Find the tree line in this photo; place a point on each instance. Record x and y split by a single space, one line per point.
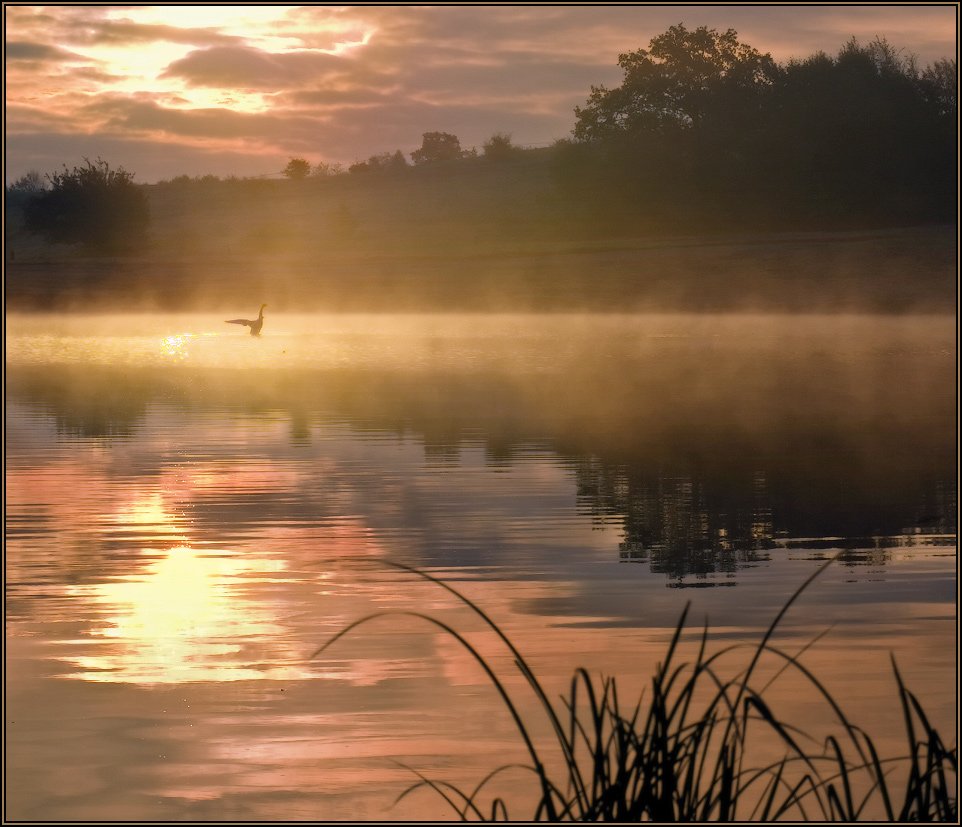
701 123
702 115
435 146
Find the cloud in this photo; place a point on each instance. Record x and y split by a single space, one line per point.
95 75
242 66
86 26
31 119
149 159
520 81
22 50
127 32
122 115
346 97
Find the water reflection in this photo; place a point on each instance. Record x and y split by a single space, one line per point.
704 449
181 536
681 527
178 347
183 617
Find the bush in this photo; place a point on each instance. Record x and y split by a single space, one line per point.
297 169
92 205
498 147
437 146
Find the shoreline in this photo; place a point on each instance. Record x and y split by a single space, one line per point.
869 271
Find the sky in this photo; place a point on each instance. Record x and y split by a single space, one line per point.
240 89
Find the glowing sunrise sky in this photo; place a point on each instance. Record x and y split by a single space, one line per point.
238 90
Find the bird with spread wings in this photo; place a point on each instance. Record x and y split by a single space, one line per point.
254 324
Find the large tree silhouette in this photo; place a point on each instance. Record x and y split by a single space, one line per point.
684 80
437 146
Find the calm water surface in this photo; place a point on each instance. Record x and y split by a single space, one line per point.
192 511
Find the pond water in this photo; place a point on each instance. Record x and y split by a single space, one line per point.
191 512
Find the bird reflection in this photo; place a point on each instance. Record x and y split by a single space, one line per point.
254 324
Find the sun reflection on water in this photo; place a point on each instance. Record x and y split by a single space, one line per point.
186 617
149 513
176 346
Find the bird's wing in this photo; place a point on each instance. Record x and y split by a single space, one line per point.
238 321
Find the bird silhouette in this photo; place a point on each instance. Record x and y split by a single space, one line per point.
254 324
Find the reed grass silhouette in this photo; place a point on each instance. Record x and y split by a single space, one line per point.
673 759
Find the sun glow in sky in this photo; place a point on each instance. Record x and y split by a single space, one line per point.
142 67
237 20
238 90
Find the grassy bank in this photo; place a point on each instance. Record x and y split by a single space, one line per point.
480 236
890 271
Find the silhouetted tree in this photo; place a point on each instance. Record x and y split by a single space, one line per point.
386 161
379 161
863 130
23 190
297 169
498 147
397 161
92 205
437 146
322 169
940 82
704 124
30 184
683 79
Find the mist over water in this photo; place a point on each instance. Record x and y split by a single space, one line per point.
191 511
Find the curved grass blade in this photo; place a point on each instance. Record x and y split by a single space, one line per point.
519 723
